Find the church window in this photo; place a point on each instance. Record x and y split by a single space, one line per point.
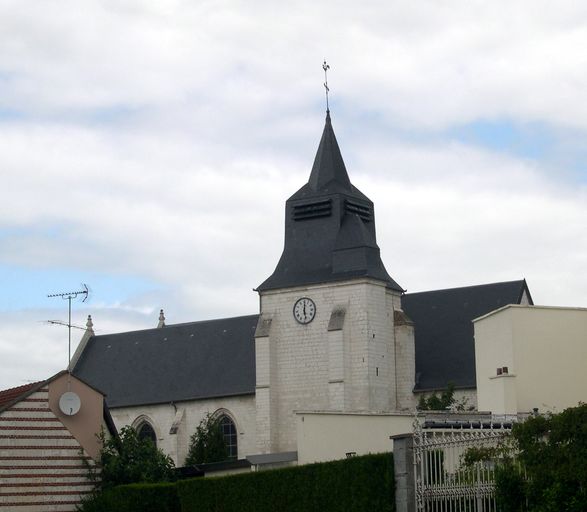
229 432
146 431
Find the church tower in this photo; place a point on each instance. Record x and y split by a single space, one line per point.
327 339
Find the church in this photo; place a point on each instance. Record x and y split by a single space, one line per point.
335 359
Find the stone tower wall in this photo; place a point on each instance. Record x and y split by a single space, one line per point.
344 360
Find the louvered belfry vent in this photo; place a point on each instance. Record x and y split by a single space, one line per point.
312 210
362 210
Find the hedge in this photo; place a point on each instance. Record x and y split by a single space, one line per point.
135 498
350 485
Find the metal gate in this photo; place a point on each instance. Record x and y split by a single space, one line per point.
443 482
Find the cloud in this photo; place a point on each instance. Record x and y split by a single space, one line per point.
156 144
453 216
32 350
422 64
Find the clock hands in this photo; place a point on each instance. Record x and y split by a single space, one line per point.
304 310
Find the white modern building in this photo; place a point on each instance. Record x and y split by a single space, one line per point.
531 357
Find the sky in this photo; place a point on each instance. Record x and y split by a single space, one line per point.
147 150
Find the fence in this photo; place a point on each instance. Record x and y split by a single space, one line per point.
443 483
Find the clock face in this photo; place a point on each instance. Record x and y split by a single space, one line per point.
304 310
69 403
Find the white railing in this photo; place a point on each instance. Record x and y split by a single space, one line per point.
444 483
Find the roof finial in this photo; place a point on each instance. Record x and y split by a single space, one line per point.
161 319
326 67
90 324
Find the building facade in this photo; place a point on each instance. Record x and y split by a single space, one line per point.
47 449
531 358
335 335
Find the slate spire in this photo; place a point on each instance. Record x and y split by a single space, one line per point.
328 168
329 227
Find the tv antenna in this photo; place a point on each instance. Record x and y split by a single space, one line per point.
69 296
59 322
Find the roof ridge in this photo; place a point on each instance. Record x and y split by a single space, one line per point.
10 396
22 386
520 281
211 320
168 326
13 395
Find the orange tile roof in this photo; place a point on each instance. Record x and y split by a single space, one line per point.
9 395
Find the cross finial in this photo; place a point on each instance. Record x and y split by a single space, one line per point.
326 67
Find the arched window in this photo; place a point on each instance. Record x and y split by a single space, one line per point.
229 432
145 431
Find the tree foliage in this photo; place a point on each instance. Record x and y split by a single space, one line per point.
553 451
542 466
445 401
128 459
207 443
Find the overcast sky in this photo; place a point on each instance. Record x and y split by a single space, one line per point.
147 149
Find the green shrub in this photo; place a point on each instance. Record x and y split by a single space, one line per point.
351 485
542 466
553 451
127 459
207 443
438 403
135 498
510 485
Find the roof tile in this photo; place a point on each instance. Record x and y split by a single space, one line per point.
445 347
12 394
187 361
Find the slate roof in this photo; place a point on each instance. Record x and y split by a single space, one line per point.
213 358
329 227
329 174
216 358
445 347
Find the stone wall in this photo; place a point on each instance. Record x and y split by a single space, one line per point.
186 416
343 360
324 436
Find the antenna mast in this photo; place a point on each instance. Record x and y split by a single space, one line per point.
68 296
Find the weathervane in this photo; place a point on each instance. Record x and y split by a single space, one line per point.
68 296
326 67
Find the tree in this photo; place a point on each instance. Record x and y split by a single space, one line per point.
128 459
207 443
439 403
552 450
542 466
